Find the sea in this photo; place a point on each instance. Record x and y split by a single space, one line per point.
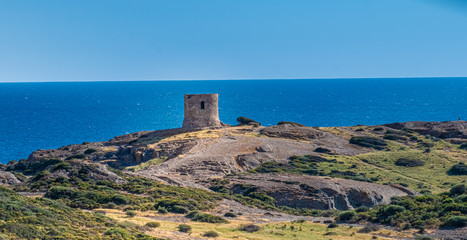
54 114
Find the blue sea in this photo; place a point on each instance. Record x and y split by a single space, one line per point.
50 115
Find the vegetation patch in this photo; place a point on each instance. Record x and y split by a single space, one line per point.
458 169
309 165
205 217
369 142
42 218
184 228
448 209
249 228
407 162
144 165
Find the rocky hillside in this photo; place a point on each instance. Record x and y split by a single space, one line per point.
288 168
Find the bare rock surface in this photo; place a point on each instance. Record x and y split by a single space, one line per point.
302 191
454 129
293 132
7 178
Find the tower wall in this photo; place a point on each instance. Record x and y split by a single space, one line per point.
201 110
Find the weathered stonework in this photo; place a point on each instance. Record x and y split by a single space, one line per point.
201 110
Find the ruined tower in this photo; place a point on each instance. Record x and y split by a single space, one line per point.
201 110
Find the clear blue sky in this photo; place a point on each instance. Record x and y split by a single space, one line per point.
237 39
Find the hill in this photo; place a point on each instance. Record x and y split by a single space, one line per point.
276 173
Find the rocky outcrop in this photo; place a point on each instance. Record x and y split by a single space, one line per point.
302 191
7 178
455 129
294 132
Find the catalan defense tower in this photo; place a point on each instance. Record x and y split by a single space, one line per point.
201 110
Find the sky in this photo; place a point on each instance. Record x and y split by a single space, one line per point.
114 40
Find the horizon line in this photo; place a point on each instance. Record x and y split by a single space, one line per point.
225 79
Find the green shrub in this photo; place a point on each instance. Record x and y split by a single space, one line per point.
249 228
456 222
90 150
458 169
184 228
153 224
205 217
130 213
370 142
333 225
211 234
63 165
368 229
162 210
230 214
394 137
174 206
463 146
347 216
57 192
117 233
84 203
120 200
24 231
322 150
77 156
389 210
40 175
458 189
462 198
406 162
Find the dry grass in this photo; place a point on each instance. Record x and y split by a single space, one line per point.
269 231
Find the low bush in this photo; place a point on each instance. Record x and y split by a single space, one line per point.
322 150
346 216
57 192
230 214
458 189
153 224
333 225
463 146
77 156
389 210
130 213
249 228
184 228
90 150
458 169
211 234
205 217
369 229
394 137
120 200
162 210
173 205
456 222
406 162
370 142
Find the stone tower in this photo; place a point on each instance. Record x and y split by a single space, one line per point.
201 110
